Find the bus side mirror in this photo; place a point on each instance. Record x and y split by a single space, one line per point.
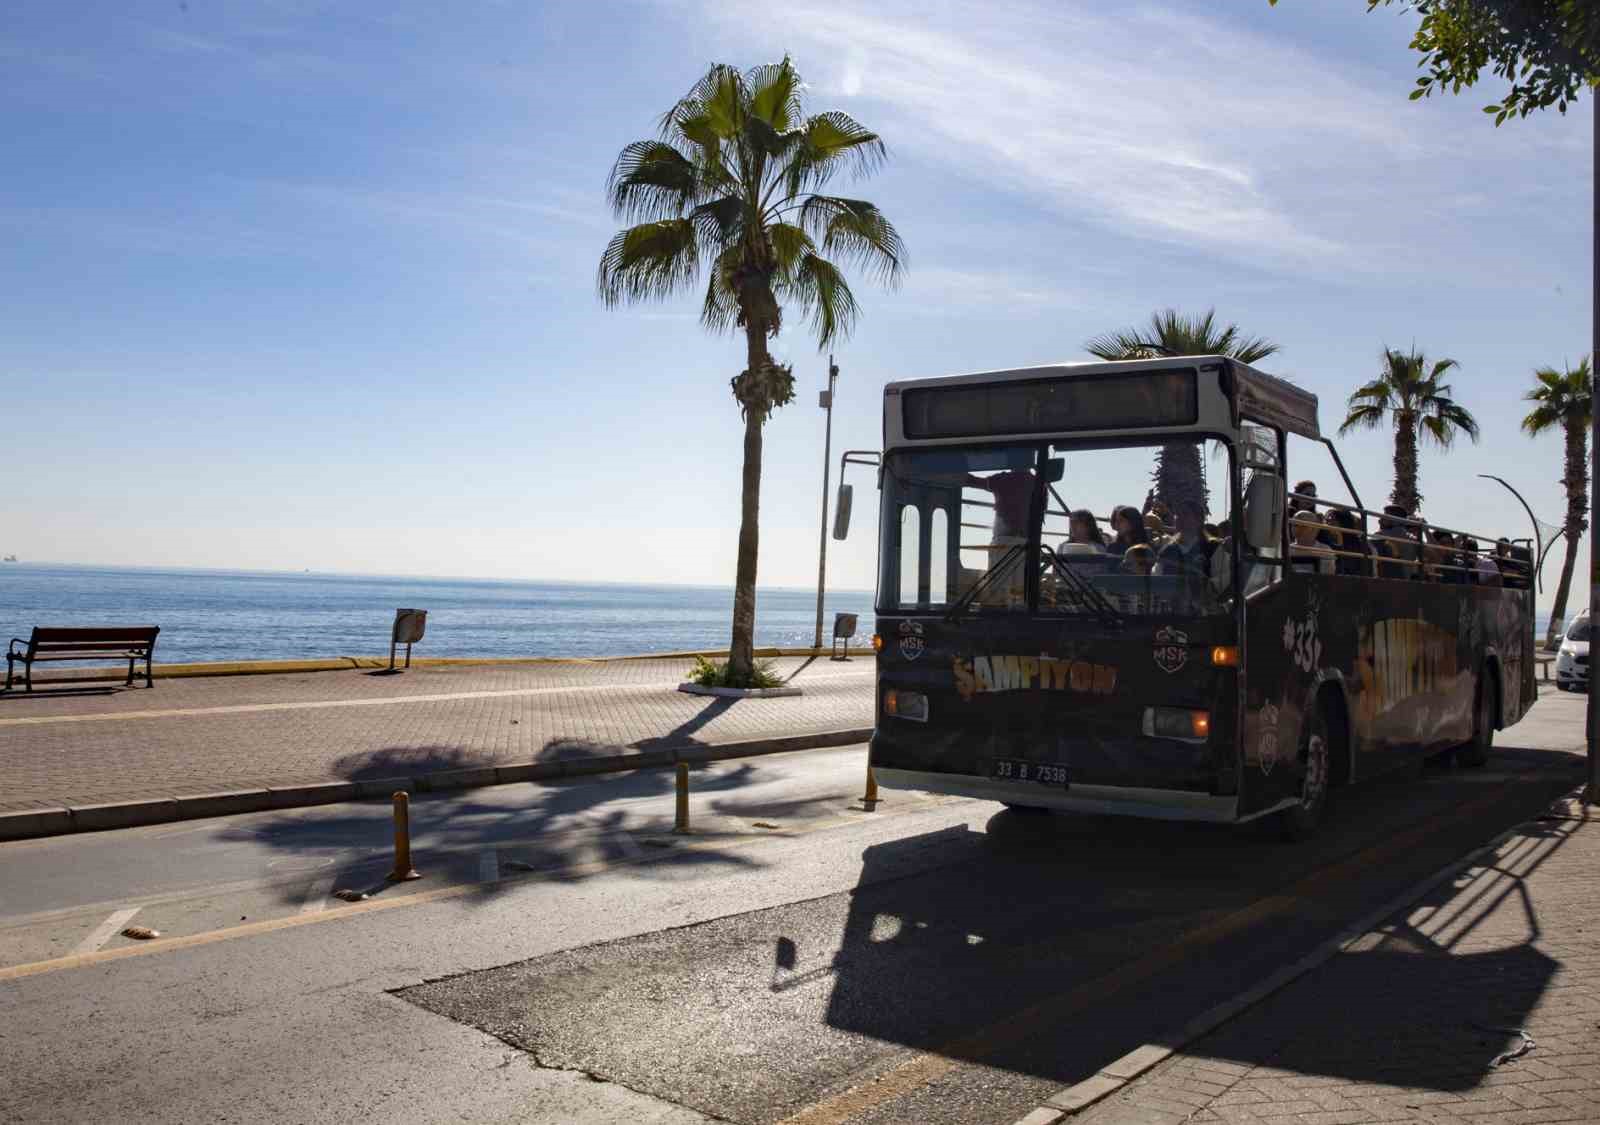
1263 511
841 512
1054 469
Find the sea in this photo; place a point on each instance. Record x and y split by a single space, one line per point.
208 615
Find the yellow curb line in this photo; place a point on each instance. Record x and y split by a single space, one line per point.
420 898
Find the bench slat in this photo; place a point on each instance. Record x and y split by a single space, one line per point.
56 634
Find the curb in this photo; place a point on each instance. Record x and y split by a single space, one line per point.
1116 1075
355 663
578 759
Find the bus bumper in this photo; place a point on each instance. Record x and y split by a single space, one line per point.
1115 800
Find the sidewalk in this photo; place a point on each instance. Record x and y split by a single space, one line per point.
1406 1023
337 735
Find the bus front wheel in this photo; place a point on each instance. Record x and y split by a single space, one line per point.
1316 756
1476 752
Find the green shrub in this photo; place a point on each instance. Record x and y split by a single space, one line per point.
707 673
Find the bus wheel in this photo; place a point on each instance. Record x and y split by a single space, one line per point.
1316 750
1476 752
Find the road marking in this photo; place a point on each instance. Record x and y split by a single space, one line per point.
330 704
103 932
489 865
316 899
925 1067
441 894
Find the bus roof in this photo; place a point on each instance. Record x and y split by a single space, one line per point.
1255 393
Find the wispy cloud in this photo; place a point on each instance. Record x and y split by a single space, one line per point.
938 289
1144 120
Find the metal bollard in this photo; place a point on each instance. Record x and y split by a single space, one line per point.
681 820
402 840
870 797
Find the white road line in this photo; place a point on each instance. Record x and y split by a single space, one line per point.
316 899
104 931
385 701
489 866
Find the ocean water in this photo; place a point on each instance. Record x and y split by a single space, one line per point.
244 615
248 615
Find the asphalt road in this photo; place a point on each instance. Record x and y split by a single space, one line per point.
566 960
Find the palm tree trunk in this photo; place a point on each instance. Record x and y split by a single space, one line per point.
1405 491
1180 475
741 649
1576 480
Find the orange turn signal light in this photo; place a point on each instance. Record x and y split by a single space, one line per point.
1225 656
877 643
1200 723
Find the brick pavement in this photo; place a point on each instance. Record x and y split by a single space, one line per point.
1397 1027
204 735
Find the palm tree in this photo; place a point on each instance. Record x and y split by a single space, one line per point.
1179 473
733 184
1413 396
1566 399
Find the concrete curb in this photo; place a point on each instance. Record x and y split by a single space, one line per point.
577 760
354 663
1117 1074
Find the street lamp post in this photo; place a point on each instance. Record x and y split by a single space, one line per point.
825 400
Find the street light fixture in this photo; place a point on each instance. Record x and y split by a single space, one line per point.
824 400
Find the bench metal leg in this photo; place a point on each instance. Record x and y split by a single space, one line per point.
27 674
10 665
149 676
129 681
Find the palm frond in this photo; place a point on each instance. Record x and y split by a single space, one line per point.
831 142
825 298
1173 333
719 310
719 222
856 231
651 180
651 261
775 94
1541 419
1363 418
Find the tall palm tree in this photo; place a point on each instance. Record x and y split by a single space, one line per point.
1566 399
1179 473
733 185
1412 395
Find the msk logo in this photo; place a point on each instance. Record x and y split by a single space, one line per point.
911 643
1171 649
983 675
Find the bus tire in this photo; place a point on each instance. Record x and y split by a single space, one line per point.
1476 752
1317 751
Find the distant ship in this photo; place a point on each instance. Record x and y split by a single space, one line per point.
9 558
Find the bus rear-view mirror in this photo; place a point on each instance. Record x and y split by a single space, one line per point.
1263 511
841 511
1054 469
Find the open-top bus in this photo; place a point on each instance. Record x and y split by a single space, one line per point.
1242 675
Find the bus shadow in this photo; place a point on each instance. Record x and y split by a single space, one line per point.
1072 941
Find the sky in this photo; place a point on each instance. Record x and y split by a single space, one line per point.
293 284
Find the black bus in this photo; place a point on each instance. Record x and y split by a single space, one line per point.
1051 637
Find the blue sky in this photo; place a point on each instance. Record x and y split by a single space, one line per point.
299 284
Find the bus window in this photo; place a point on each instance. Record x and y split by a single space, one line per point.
910 550
938 557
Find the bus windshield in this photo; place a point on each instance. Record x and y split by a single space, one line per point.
958 522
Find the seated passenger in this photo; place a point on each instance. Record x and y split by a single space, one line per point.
1083 535
1128 527
1480 570
1307 553
1190 550
1304 488
1393 540
1138 559
1443 564
1510 566
1349 548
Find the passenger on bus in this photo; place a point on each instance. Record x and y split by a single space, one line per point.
1443 564
1345 532
1308 554
1013 495
1394 540
1303 488
1082 527
1128 527
1138 559
1483 572
1190 550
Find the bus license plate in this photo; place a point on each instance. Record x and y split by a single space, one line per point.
1014 769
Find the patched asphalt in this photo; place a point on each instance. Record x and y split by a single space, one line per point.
1020 959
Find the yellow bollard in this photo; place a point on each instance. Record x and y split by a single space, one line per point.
681 821
402 840
870 797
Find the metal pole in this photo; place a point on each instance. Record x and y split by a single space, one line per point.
403 870
1593 725
822 537
680 819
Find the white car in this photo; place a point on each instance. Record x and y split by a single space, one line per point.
1572 661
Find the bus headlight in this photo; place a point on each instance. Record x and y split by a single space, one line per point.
911 705
1177 722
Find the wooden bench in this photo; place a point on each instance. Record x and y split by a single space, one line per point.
131 643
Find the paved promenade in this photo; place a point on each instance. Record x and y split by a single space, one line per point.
196 736
1415 1021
